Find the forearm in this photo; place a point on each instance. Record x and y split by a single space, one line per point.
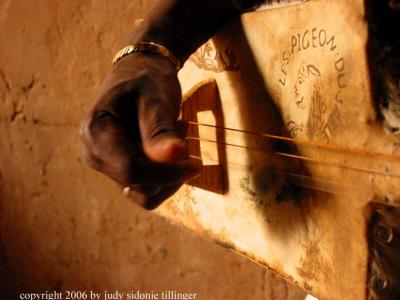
183 25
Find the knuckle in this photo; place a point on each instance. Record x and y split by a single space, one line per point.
159 122
92 161
89 127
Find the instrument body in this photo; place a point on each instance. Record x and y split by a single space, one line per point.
292 149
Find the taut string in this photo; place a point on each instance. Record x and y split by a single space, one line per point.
302 142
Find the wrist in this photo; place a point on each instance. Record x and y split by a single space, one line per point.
150 48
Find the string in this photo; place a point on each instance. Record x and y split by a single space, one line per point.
309 159
301 141
300 181
300 177
312 178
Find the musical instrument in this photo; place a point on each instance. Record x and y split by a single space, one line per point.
298 174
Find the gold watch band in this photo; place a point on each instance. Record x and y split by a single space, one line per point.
147 47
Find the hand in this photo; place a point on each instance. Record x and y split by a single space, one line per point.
131 134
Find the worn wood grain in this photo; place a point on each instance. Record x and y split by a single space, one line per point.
304 152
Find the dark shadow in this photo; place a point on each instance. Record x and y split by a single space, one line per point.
275 182
383 49
8 276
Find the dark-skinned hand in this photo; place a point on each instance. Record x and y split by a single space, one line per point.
132 135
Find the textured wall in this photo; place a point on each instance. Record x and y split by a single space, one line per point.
63 226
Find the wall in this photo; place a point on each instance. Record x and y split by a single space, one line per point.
62 225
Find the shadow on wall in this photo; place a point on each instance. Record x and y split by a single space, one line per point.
8 289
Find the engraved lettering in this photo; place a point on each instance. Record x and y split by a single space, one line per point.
294 43
298 38
322 38
339 65
283 70
331 42
314 110
285 58
314 37
305 46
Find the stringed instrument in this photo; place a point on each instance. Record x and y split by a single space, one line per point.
297 172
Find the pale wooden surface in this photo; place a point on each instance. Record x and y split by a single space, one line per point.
307 79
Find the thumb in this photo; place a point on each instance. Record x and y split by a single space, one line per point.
159 132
